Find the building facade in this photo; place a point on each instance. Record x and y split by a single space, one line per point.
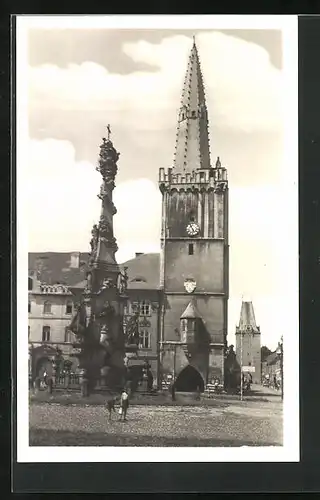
248 341
51 308
144 299
194 248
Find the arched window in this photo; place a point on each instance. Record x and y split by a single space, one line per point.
47 307
69 307
45 333
68 335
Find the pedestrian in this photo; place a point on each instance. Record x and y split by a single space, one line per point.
275 383
198 393
110 406
173 392
124 403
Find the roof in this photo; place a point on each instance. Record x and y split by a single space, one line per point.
192 142
247 317
55 267
143 272
190 311
272 358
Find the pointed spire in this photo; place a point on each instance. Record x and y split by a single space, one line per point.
190 312
247 318
192 143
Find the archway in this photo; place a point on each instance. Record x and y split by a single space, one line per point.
189 380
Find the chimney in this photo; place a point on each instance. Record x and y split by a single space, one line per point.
138 254
75 260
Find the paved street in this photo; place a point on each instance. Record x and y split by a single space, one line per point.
235 424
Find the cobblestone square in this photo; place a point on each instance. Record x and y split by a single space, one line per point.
235 424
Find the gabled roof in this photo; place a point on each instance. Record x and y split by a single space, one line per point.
54 267
190 312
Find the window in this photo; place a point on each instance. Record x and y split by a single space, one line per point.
190 248
145 308
249 363
29 307
69 308
30 284
144 339
68 335
46 334
47 308
28 332
193 114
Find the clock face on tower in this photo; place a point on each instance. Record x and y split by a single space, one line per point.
193 229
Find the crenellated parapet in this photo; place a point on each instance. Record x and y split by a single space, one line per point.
215 179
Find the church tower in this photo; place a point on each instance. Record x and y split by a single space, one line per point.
194 246
248 342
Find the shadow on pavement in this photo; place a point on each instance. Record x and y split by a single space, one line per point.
45 437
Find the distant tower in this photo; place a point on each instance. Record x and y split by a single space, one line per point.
194 244
251 341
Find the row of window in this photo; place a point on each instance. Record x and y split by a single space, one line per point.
144 337
143 307
47 309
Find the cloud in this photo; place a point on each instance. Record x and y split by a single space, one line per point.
63 204
243 88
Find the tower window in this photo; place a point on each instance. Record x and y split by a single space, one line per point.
30 284
193 114
29 307
46 334
28 332
190 248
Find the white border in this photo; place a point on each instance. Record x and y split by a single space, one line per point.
290 451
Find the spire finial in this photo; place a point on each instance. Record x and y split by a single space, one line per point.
109 131
194 40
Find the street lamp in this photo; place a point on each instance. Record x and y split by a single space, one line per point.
241 363
279 352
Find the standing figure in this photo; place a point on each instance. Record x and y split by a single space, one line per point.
110 405
124 403
173 392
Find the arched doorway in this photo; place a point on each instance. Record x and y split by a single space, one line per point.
189 380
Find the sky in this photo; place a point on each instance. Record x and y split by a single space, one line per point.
79 80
